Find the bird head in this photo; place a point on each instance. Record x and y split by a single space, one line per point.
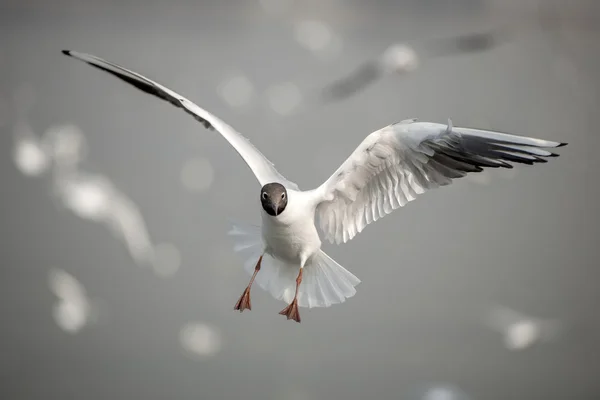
273 198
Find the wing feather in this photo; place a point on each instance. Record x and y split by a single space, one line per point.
393 165
263 169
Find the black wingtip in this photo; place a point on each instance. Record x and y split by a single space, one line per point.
562 144
66 52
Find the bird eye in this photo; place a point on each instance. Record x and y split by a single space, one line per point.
283 195
264 195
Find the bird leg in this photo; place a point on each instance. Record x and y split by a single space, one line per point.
291 311
244 301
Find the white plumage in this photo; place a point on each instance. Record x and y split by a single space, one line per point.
386 171
395 164
325 282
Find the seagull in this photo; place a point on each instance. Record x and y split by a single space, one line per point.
390 168
400 59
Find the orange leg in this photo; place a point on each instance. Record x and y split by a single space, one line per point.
244 301
291 311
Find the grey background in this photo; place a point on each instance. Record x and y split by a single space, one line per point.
430 272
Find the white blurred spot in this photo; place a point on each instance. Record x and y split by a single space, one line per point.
64 285
275 7
30 157
521 335
197 174
438 394
67 143
200 339
87 198
30 154
284 98
95 198
128 224
314 35
167 259
400 58
521 331
70 315
444 392
237 91
72 310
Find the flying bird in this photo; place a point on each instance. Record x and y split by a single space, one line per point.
390 168
400 59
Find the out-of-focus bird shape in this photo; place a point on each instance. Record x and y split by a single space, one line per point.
400 59
521 331
73 309
93 197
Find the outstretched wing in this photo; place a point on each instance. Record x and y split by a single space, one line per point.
262 168
395 164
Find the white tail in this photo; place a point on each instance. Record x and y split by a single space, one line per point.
324 281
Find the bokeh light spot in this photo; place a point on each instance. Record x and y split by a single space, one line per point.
237 91
167 259
284 98
200 339
197 174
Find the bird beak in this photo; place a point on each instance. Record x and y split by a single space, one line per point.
276 209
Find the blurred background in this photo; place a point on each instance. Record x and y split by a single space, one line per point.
118 279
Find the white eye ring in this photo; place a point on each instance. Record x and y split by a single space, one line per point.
283 195
264 195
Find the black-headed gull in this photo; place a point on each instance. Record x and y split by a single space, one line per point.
387 170
400 59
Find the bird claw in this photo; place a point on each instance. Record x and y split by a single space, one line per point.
244 302
291 311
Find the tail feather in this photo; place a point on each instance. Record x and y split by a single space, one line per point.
324 281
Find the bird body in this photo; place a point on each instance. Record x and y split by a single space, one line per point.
391 167
292 235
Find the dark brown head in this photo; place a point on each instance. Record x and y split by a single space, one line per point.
273 198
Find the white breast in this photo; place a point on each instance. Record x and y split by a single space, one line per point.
292 235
